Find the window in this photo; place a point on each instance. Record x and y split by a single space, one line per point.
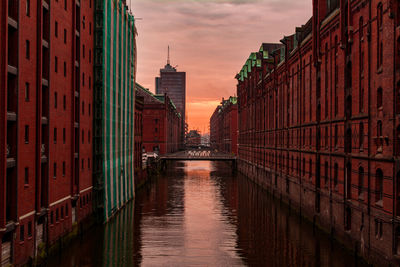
361 137
65 102
379 129
29 229
336 136
88 163
90 82
83 108
51 217
65 36
28 49
361 28
83 164
63 135
379 98
65 4
397 143
62 212
63 168
348 181
326 173
89 136
55 136
83 136
83 51
398 98
379 185
65 69
28 8
22 233
57 215
66 210
360 182
335 176
90 56
90 28
56 64
54 170
56 29
310 163
379 42
26 175
83 79
27 93
55 99
26 136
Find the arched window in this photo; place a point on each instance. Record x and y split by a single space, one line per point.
379 185
360 182
379 98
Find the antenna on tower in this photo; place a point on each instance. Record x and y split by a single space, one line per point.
168 57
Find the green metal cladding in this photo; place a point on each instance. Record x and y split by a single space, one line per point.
114 94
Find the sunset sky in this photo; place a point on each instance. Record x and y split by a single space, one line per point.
210 40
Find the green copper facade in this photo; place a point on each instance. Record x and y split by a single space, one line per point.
115 69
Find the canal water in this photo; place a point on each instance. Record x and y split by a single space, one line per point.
199 214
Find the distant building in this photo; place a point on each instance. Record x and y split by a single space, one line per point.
193 138
140 174
162 123
173 83
224 126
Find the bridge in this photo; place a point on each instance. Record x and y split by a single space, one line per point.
199 154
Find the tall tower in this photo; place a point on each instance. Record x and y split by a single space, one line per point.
173 83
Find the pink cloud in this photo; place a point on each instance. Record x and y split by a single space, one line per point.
210 40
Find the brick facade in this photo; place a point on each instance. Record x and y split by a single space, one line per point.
46 74
224 126
161 123
320 122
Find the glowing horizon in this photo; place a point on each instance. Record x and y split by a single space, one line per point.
210 40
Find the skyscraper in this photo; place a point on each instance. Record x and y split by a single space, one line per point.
173 83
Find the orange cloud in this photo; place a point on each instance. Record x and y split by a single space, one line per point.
210 40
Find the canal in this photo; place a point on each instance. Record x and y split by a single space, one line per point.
199 214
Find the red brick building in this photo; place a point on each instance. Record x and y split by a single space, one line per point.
140 174
46 122
161 123
224 126
320 121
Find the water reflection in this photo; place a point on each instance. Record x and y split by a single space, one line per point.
197 214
